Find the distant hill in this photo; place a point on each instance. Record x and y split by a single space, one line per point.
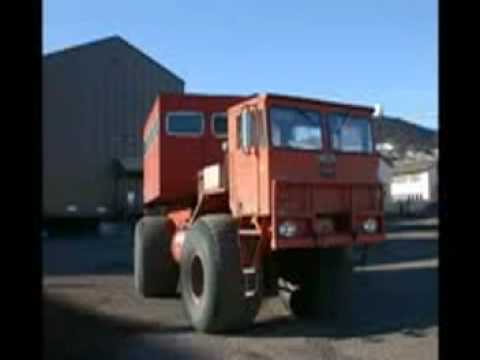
405 135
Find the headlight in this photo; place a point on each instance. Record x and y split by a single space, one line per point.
370 226
287 229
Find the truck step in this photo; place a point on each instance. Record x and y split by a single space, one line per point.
251 281
249 232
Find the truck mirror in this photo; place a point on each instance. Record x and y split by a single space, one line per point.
246 129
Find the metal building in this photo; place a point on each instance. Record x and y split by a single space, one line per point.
415 181
95 100
414 187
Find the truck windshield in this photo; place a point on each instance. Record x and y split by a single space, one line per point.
350 134
295 128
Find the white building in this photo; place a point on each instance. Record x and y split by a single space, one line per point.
385 171
414 184
385 147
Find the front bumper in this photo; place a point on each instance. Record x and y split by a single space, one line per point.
347 206
333 240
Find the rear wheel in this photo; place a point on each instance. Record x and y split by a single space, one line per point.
212 283
155 271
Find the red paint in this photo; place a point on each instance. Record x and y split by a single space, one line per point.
334 240
180 217
370 239
273 183
171 163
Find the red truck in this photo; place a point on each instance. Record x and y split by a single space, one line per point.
247 196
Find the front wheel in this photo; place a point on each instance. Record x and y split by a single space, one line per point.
295 299
212 283
325 289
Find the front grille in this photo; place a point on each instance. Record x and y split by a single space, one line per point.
305 199
342 223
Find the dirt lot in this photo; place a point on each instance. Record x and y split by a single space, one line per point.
91 310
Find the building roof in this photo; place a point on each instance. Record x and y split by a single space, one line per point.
110 39
413 167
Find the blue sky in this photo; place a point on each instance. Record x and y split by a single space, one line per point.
367 52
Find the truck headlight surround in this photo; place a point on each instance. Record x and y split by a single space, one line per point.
370 225
287 228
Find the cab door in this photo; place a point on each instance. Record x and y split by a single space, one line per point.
243 165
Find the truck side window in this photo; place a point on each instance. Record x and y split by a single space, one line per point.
219 125
245 130
185 124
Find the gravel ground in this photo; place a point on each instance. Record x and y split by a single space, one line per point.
91 310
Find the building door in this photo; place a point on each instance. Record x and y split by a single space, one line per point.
128 196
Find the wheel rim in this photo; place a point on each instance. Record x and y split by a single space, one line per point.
197 279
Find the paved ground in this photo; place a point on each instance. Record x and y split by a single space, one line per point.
91 310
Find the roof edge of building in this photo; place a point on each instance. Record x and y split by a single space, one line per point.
79 46
150 59
122 40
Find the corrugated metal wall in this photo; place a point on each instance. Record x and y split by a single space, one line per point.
95 100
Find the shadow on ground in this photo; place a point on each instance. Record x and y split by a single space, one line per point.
71 332
87 254
384 302
397 228
407 224
397 251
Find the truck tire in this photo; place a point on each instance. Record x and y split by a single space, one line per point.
155 271
211 278
332 293
296 302
325 292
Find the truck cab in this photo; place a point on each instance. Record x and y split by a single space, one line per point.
308 166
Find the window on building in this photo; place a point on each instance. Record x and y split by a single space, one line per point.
185 124
219 125
400 179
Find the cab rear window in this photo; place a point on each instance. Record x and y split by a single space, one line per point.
185 124
219 124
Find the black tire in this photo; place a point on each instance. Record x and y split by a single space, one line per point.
325 292
332 292
295 301
214 301
155 271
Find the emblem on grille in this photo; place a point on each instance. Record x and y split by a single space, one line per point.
327 163
327 159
